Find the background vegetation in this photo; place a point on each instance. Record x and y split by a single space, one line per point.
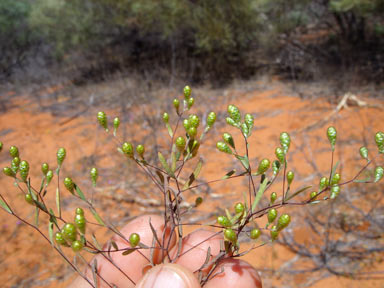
193 39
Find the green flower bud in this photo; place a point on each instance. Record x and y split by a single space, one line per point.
180 143
379 139
313 195
187 92
190 103
255 234
61 153
29 199
140 149
223 147
249 120
273 197
263 166
94 175
274 233
231 122
176 104
245 129
228 139
198 201
44 168
290 177
165 117
1 146
15 164
186 124
335 190
102 119
192 132
80 222
79 211
127 149
211 119
59 238
239 208
24 170
332 135
364 152
280 155
378 173
234 113
230 235
69 232
68 183
275 166
9 172
335 179
77 246
14 151
134 239
323 183
283 222
49 176
194 120
285 141
224 221
272 214
116 124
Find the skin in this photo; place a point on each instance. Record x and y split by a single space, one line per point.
230 272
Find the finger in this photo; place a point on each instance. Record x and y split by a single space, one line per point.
194 249
126 270
169 276
236 273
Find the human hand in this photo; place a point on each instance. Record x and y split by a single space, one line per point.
236 272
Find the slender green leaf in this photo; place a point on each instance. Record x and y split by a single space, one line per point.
80 193
5 206
193 175
363 181
229 174
37 211
42 184
58 201
165 165
129 251
244 161
170 132
52 217
94 273
259 193
154 232
161 177
296 193
173 159
50 232
334 169
97 217
97 244
142 245
113 243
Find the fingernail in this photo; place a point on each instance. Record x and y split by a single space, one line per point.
167 276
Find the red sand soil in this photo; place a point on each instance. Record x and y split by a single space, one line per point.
26 258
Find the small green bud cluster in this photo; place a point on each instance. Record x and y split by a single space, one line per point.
68 183
116 124
14 151
263 166
273 197
68 235
379 171
24 170
94 175
234 119
379 139
102 119
282 223
290 177
61 153
127 149
44 168
15 164
332 136
134 240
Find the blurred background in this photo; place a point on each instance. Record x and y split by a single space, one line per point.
298 66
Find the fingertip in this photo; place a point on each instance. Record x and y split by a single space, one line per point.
168 276
235 273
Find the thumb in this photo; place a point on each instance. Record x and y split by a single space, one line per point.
168 276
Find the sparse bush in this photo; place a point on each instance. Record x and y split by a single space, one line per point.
239 223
